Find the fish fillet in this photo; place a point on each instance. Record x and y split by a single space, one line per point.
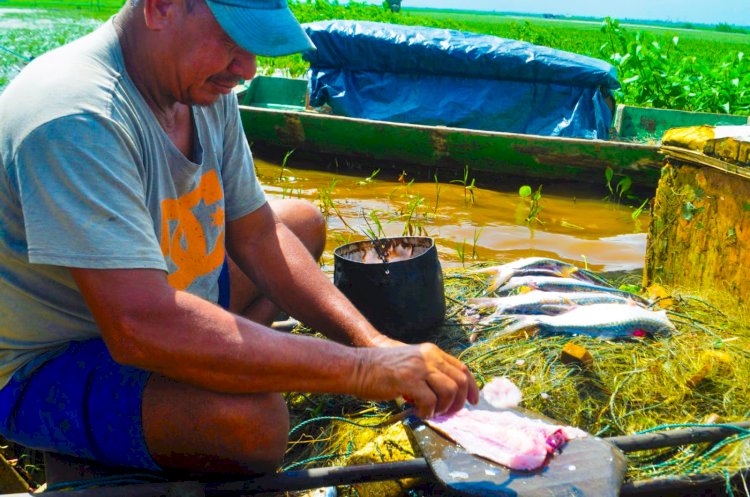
502 393
505 437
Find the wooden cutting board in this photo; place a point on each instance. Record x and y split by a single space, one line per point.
586 467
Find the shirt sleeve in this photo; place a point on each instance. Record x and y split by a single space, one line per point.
243 192
79 181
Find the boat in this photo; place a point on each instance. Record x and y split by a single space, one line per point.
277 119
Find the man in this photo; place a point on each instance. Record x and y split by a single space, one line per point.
126 183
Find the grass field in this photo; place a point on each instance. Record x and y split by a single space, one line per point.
660 65
585 36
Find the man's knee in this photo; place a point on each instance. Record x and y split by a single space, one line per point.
190 428
267 438
305 221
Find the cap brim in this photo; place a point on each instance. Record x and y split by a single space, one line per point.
269 32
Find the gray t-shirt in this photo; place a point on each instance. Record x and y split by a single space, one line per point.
90 179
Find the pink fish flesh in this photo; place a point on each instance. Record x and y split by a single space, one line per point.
505 437
500 392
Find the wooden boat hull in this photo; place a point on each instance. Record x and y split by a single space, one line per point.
274 117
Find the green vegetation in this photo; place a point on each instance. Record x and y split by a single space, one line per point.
692 376
533 198
660 73
689 67
469 185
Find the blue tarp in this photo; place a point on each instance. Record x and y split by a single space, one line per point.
419 75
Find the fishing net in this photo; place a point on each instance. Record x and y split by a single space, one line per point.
694 375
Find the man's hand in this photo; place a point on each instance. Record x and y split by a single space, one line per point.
384 341
436 382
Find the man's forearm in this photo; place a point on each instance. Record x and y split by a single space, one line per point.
291 279
191 340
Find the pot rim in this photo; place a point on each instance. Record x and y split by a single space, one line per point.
338 256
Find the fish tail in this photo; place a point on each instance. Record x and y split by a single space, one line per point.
568 272
519 327
592 277
500 278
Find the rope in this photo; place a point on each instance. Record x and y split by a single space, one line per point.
693 461
322 457
695 425
27 59
332 418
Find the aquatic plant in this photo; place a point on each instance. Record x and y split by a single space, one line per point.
469 186
366 181
283 164
373 234
437 194
477 232
534 200
461 252
656 72
412 224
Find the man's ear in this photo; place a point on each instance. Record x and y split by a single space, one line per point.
157 13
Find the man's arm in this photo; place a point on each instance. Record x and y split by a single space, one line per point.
282 268
148 324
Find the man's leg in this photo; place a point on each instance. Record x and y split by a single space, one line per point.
305 221
190 428
198 430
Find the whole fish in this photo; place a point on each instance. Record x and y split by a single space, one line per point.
538 266
553 284
606 321
539 302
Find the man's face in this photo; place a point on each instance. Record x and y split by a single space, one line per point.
209 63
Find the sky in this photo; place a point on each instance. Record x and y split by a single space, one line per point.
735 12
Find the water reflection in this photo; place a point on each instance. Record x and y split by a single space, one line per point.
470 225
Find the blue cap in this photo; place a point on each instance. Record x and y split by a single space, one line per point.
262 27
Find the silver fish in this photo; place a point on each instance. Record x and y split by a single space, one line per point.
538 266
606 321
539 302
553 284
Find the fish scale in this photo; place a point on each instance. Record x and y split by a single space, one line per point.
540 302
539 266
555 284
607 321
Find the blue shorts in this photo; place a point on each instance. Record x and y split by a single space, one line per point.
82 403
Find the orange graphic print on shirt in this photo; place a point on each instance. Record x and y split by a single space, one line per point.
195 248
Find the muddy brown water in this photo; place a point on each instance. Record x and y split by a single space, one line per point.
576 225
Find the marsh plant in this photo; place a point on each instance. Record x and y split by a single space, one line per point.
469 185
366 181
437 194
375 230
461 248
327 206
533 199
283 164
657 71
413 225
622 189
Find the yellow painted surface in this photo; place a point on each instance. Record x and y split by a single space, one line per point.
699 237
693 138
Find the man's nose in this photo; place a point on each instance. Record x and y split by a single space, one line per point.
244 65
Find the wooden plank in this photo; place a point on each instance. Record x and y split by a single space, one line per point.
547 158
700 230
273 116
644 123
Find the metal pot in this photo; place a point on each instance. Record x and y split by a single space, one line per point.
396 283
